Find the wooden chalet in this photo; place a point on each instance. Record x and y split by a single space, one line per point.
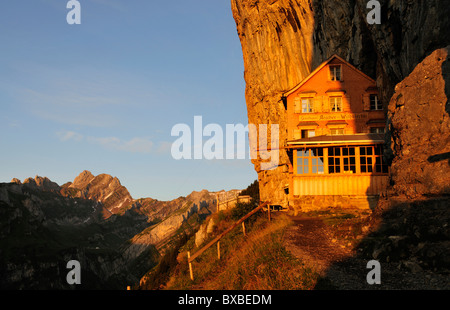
336 126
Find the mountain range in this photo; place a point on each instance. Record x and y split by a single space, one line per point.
94 220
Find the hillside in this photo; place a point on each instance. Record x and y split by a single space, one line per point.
318 250
408 56
94 220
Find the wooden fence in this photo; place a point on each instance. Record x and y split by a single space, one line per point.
217 239
231 202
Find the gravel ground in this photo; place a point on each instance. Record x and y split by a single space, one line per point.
313 242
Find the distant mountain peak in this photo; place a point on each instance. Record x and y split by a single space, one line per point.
16 181
103 188
82 179
43 183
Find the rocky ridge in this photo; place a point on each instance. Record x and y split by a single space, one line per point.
44 225
103 188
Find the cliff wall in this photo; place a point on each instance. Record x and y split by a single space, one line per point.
284 40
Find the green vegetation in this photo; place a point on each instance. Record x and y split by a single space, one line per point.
243 209
159 275
253 191
258 261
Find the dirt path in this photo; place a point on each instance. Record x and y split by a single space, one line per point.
312 241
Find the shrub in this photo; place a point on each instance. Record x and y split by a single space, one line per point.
253 191
241 210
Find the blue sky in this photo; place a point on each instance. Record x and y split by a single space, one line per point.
104 95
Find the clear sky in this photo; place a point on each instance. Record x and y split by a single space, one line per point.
104 95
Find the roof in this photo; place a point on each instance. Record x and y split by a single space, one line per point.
320 68
368 138
376 121
337 122
307 124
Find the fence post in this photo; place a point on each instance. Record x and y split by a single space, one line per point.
268 211
218 250
217 202
211 243
243 228
190 266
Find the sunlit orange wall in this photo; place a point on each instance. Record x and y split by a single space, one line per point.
355 102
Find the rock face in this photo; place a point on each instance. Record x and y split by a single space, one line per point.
43 226
103 188
42 183
284 40
411 221
200 203
420 129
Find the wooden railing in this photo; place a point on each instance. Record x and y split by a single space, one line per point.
223 234
226 204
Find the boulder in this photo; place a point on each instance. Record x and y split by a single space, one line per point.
419 126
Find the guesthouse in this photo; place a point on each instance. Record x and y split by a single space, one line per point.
336 125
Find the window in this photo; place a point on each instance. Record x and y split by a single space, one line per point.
380 162
349 159
377 130
372 160
336 131
308 133
307 105
335 73
334 160
310 161
303 162
336 104
375 103
341 160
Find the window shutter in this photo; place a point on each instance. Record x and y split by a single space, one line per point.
313 105
297 134
326 104
346 104
318 104
297 105
366 102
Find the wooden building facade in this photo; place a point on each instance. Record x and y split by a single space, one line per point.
336 126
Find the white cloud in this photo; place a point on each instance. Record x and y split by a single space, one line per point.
69 135
72 109
135 145
164 147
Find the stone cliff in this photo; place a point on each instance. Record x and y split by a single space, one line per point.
102 188
284 40
410 224
419 126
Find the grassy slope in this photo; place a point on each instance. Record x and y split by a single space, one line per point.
258 261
